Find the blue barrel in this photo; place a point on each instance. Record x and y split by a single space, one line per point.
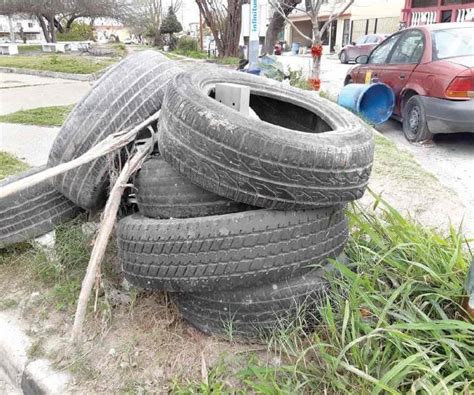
374 102
254 71
295 47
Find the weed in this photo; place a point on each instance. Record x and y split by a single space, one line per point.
8 303
43 116
36 349
10 165
297 79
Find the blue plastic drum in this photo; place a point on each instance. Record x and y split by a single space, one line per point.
374 102
295 47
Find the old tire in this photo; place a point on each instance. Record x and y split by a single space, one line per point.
304 152
163 193
228 251
123 97
33 211
252 311
415 127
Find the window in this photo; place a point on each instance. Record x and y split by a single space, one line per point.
379 54
423 3
18 24
409 49
361 40
30 24
449 2
452 42
371 39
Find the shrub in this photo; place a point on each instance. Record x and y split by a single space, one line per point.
77 32
187 44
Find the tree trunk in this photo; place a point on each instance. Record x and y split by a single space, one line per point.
69 23
44 28
52 29
316 68
276 25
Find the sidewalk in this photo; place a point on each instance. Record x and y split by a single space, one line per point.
21 92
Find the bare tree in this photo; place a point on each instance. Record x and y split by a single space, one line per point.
224 21
313 8
277 23
144 19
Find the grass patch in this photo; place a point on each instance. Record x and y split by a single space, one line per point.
29 48
190 53
227 60
10 165
59 63
43 116
392 322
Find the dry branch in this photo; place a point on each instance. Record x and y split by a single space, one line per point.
106 146
106 227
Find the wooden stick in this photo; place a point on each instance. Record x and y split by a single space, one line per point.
106 227
106 146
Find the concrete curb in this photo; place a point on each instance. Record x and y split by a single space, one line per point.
53 74
30 377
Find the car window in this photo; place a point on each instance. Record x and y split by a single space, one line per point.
371 39
453 42
379 54
361 40
409 49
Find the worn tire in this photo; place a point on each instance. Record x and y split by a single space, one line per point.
252 311
123 97
33 211
163 193
228 251
270 162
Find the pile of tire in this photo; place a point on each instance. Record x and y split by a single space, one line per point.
238 217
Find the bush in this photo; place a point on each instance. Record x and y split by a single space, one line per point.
187 44
78 32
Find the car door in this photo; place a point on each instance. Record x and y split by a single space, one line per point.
376 62
402 61
353 49
370 43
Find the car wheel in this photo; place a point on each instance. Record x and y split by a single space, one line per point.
415 127
343 57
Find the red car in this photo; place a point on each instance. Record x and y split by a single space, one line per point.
362 46
431 71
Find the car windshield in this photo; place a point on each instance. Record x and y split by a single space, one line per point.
453 42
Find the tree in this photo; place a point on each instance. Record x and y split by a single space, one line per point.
277 23
170 25
225 22
313 8
144 19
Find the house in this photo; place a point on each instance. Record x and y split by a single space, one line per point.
362 17
19 27
423 12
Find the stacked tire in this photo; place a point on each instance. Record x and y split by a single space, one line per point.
240 218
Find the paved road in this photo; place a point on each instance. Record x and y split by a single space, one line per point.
21 92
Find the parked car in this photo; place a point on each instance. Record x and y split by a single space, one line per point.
130 41
362 46
431 71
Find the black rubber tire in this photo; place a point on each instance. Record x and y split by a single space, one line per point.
251 312
415 127
343 57
228 251
33 211
257 162
123 97
163 193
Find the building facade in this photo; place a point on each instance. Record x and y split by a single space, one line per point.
423 12
17 28
363 17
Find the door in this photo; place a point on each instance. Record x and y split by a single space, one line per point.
403 60
353 49
376 61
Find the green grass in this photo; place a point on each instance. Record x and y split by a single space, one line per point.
10 165
391 324
227 60
29 48
59 63
43 116
191 54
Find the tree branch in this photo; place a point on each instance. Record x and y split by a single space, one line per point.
335 16
278 8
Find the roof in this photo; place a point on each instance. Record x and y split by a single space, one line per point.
445 26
